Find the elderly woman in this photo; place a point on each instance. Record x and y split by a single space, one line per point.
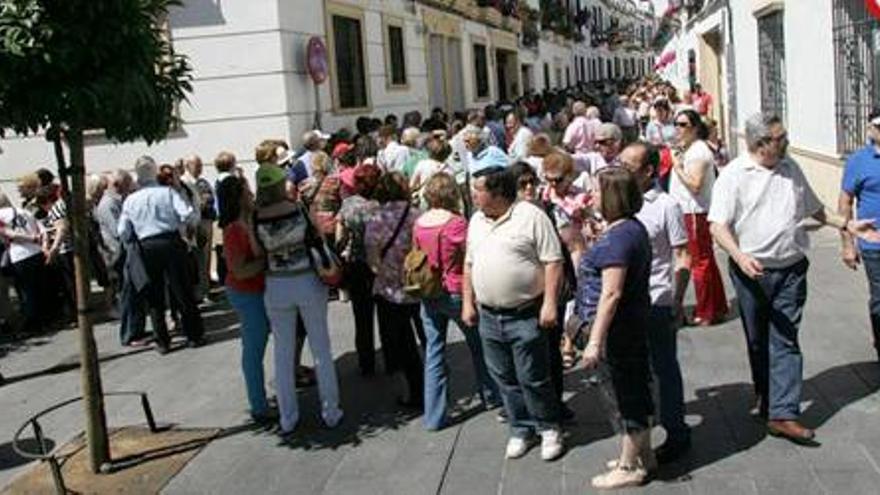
351 222
21 235
539 147
441 233
286 235
693 175
613 296
322 194
436 162
518 136
387 238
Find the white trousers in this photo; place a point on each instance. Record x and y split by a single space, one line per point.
285 298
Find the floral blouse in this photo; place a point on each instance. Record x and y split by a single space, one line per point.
389 270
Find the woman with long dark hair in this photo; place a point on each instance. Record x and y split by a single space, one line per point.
245 282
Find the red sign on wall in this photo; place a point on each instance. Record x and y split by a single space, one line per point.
873 7
316 60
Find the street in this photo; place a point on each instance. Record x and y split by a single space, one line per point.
378 450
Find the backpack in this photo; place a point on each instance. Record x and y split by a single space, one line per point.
422 279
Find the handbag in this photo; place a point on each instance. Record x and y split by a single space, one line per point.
422 279
321 256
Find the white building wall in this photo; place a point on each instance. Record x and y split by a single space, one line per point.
810 75
238 93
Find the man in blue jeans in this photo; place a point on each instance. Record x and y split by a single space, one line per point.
512 271
758 207
861 182
663 219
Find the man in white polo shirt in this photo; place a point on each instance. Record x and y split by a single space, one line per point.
513 268
758 207
663 219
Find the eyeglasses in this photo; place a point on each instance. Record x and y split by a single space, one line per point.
604 142
682 125
554 179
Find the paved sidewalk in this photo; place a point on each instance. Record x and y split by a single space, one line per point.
378 450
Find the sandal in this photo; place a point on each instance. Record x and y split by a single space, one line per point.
621 477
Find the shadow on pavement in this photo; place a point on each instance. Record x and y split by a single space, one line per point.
727 428
370 403
9 458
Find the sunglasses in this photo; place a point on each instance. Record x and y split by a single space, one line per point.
524 182
604 142
554 180
682 125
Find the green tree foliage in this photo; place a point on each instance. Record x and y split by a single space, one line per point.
89 64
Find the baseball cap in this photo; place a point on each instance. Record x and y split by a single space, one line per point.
341 149
269 175
491 160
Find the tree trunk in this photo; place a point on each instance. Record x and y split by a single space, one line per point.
92 393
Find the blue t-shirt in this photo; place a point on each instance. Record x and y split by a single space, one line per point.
626 245
861 179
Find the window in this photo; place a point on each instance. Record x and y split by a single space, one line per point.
567 76
395 56
481 70
771 57
546 76
583 70
351 85
856 71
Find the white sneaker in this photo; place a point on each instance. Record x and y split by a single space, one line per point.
517 447
551 444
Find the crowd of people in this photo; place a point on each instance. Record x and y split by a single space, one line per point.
561 227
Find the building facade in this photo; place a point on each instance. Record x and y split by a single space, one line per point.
813 63
384 56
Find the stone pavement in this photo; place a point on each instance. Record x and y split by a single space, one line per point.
380 451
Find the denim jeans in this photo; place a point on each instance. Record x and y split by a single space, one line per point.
872 270
771 308
436 314
662 342
285 298
251 311
517 355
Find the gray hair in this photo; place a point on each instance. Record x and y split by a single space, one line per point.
472 130
146 170
579 108
593 113
757 129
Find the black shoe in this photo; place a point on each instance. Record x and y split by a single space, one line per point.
194 343
672 450
162 349
501 417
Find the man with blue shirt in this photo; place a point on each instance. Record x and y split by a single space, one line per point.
155 214
861 183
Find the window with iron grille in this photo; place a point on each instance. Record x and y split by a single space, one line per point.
771 56
856 71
